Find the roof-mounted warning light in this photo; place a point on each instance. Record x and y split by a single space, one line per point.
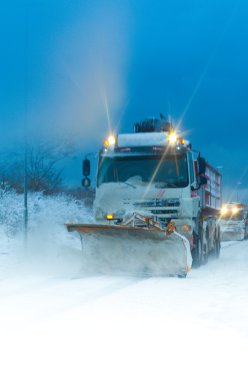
172 137
110 142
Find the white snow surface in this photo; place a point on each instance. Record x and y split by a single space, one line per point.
59 322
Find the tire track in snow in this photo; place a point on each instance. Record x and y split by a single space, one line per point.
35 299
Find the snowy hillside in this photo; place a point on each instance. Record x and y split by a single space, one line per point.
56 322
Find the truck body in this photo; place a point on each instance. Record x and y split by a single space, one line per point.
234 221
149 172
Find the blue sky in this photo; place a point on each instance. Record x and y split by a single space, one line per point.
70 69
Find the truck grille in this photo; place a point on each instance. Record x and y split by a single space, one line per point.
159 203
164 212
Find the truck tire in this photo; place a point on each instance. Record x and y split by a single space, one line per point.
196 251
182 275
216 250
204 254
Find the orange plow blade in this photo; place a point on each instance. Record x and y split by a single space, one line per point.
134 249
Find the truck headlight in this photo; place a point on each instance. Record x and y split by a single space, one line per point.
223 210
172 137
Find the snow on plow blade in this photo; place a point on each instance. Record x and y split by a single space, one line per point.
137 250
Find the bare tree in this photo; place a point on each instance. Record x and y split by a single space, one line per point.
44 167
11 171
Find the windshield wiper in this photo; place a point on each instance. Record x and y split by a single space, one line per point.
129 184
167 185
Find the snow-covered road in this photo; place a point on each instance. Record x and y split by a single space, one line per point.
62 324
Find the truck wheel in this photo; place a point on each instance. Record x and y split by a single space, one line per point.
184 275
216 250
204 255
197 252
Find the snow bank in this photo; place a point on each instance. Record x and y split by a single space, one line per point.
49 246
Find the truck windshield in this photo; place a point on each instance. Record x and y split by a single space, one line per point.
170 172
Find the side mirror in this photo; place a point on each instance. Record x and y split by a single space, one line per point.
86 182
86 167
202 165
203 180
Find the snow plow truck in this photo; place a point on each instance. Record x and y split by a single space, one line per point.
234 221
156 204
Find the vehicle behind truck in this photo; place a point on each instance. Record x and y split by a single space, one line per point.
234 221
